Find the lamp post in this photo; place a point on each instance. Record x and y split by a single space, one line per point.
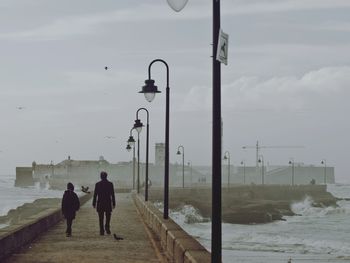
52 168
216 228
325 171
138 126
150 91
261 160
183 163
131 142
243 163
190 165
228 158
291 162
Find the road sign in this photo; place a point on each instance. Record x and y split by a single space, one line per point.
222 51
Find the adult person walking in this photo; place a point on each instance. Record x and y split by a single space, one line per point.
104 195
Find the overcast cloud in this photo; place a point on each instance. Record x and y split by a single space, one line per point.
287 82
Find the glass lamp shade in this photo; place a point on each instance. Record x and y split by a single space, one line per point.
149 96
131 140
149 90
177 5
128 148
138 125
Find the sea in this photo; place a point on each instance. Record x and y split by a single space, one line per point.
316 235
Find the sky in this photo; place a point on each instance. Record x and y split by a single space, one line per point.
286 82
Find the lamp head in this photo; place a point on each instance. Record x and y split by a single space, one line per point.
290 162
225 157
149 90
131 140
178 152
128 148
138 125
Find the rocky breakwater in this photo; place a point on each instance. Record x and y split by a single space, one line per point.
248 204
26 210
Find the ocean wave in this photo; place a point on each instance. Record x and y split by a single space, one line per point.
307 208
187 214
283 242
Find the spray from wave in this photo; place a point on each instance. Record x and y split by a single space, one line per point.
307 208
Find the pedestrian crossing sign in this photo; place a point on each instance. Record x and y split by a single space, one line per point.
222 50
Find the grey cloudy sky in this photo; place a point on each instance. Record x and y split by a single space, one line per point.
287 82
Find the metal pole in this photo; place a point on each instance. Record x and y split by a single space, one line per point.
293 173
166 159
133 167
147 149
229 174
216 231
138 163
183 167
244 174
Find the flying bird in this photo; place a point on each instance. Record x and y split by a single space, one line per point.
110 137
20 108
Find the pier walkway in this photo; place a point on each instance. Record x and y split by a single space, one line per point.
87 246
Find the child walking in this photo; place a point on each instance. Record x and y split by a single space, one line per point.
70 204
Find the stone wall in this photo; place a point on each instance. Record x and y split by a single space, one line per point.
179 246
17 235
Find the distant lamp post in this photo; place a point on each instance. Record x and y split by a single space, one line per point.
291 162
261 160
138 126
228 158
150 90
190 166
183 163
131 144
52 168
325 171
243 164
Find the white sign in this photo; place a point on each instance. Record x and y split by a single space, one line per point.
222 51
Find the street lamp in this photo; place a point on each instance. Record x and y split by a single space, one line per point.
227 157
291 162
325 169
150 90
131 143
183 163
216 228
261 160
138 126
243 163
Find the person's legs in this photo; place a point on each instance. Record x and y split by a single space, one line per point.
100 217
69 226
108 220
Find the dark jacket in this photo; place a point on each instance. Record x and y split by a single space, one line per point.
70 204
104 194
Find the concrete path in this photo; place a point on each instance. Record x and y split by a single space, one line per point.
86 245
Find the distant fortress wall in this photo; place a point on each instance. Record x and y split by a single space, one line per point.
24 176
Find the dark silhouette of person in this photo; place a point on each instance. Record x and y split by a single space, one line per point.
104 195
70 204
